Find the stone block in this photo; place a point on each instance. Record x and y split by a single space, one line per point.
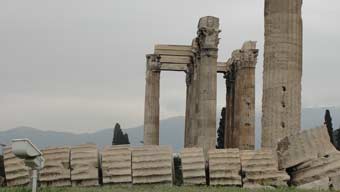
261 167
193 166
318 185
17 174
116 164
84 165
56 172
152 165
335 183
307 145
316 169
225 167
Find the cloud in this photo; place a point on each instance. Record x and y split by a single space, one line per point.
80 65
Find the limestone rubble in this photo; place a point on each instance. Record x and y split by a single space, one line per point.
193 166
152 165
84 165
56 172
116 164
17 174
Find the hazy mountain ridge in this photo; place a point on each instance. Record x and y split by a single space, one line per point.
171 131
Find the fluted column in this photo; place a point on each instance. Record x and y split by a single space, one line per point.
208 30
188 134
281 102
245 97
151 107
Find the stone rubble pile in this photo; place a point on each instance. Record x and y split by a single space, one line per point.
311 159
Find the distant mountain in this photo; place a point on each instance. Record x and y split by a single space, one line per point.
171 132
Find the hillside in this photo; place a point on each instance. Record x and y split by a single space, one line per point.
171 132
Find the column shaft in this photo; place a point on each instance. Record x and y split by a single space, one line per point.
151 108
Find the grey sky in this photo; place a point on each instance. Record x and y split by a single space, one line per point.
78 65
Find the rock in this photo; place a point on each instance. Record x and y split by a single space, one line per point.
193 166
316 169
17 174
254 186
84 165
335 183
116 164
322 184
261 168
56 172
152 165
225 167
307 145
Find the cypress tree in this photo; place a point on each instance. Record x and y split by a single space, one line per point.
118 137
220 130
329 124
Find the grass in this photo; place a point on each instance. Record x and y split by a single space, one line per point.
146 188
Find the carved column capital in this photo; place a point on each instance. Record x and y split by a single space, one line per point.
245 58
207 35
153 62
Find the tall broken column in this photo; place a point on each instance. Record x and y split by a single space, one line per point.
152 92
281 102
240 79
190 138
208 30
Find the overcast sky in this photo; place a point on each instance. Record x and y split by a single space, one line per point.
79 65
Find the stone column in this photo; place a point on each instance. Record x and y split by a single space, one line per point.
244 113
188 109
240 81
151 108
192 116
230 97
208 30
281 102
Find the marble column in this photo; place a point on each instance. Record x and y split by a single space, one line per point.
208 30
281 102
151 107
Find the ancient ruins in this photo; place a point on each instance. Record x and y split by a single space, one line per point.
281 102
288 157
199 62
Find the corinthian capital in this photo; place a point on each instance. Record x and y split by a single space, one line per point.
153 62
208 30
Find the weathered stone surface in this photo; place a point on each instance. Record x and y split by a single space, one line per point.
152 164
260 167
240 99
322 184
307 145
225 167
208 30
316 169
56 172
151 108
281 102
116 164
17 174
335 183
193 166
84 165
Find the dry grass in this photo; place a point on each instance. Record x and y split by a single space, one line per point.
146 188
